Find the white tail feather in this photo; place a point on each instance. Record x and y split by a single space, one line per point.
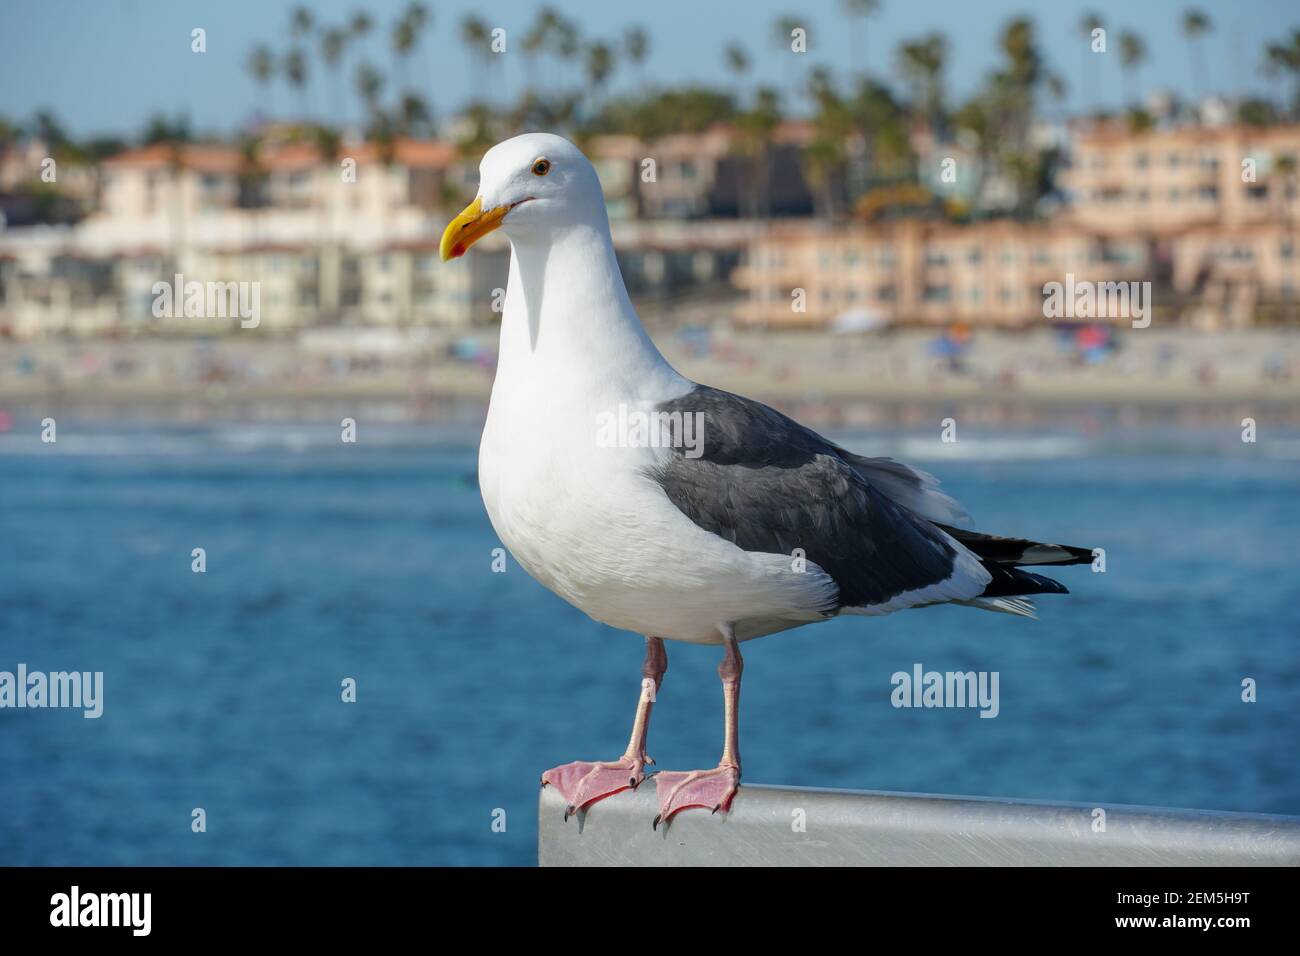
1019 606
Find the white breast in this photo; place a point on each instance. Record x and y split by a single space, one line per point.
591 525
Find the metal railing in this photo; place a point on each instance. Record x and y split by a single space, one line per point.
792 826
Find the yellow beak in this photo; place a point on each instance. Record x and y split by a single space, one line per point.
468 228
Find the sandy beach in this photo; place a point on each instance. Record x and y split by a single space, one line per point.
423 373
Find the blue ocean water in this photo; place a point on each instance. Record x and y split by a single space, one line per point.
373 561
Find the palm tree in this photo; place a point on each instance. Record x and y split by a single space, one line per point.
403 40
1284 57
360 24
414 117
333 44
301 26
301 23
358 28
261 66
921 64
783 31
824 158
821 161
369 84
1132 53
636 44
1012 102
599 64
420 19
475 34
858 12
782 34
295 71
738 65
566 38
881 123
1196 23
1087 24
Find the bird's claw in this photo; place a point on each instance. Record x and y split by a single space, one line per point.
714 788
582 782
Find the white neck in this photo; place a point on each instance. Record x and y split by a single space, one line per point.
568 318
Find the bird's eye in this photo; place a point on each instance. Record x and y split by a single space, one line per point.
541 167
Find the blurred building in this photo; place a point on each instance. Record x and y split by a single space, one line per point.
1209 215
1219 205
1166 182
347 233
352 240
914 271
36 184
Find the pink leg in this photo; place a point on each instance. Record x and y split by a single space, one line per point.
583 782
714 788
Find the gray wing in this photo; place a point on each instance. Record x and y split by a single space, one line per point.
768 484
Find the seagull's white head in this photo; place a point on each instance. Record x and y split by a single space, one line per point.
531 185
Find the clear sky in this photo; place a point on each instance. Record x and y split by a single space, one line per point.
104 66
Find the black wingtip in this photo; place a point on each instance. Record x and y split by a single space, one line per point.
1015 582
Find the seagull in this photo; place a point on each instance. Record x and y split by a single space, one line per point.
678 511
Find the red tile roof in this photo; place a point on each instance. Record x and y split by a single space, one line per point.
204 158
